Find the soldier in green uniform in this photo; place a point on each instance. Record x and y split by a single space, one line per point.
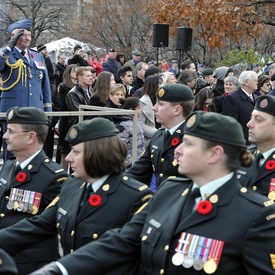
261 132
29 182
226 230
96 199
174 103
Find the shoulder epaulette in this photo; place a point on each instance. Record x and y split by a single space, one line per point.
54 167
255 197
133 183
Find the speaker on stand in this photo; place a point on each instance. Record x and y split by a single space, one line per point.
184 41
160 36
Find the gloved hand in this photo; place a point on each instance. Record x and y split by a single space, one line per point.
13 41
49 269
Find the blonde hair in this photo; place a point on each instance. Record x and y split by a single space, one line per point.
118 87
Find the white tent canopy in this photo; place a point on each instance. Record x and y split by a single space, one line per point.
65 46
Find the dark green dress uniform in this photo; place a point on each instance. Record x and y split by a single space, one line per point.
77 217
242 219
7 265
261 175
230 231
158 158
262 179
28 192
78 225
43 177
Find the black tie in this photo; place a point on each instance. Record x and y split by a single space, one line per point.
255 167
86 194
258 158
167 135
23 53
16 170
189 204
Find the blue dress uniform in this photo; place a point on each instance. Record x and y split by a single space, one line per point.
25 78
158 158
44 178
25 82
154 233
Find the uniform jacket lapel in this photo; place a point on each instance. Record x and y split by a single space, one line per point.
32 167
106 189
174 139
263 172
229 188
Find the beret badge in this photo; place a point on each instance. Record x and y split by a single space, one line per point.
264 103
161 93
191 121
10 115
73 133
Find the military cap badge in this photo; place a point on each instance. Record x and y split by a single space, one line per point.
73 133
191 121
264 103
10 115
161 92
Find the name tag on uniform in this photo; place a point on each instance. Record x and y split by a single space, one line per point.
39 65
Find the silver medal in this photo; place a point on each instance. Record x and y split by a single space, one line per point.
188 261
178 259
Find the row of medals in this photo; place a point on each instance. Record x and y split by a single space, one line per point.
17 202
188 260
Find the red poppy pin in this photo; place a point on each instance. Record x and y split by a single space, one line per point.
21 177
204 207
175 141
270 165
95 200
32 56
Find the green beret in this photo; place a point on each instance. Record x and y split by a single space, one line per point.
175 93
26 115
91 129
266 103
215 127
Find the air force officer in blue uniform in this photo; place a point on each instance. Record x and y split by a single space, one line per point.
24 74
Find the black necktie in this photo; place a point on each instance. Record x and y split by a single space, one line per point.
86 194
23 53
190 202
167 135
255 167
16 170
258 158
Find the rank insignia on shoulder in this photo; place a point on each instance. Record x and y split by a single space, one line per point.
59 170
268 203
143 187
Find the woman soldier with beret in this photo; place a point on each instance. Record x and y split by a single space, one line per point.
227 230
96 199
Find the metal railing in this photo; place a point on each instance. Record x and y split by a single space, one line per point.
90 111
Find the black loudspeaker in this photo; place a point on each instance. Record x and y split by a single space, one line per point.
184 39
160 35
